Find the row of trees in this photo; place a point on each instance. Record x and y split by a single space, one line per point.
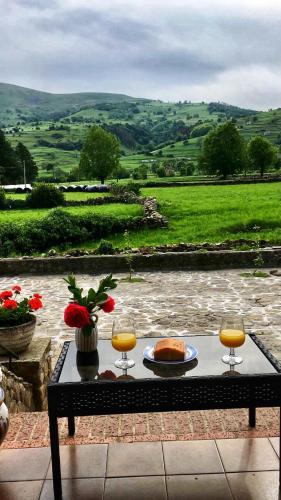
225 152
166 168
16 165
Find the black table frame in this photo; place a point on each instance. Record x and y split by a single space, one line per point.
102 397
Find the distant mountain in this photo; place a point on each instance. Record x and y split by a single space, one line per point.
20 103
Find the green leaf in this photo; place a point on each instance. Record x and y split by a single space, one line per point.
107 283
91 295
101 298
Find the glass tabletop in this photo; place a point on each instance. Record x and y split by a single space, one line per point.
97 366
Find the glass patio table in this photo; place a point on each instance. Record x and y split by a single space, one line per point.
90 384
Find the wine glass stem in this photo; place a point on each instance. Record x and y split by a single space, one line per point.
124 355
232 352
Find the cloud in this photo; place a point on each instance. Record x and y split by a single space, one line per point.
227 50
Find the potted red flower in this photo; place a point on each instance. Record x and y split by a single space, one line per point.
81 313
17 321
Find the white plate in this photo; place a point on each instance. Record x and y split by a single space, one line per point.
190 354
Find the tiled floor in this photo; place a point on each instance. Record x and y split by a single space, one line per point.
225 469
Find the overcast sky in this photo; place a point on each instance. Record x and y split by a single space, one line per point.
228 50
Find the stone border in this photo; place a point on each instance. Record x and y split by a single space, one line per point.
18 393
215 182
96 264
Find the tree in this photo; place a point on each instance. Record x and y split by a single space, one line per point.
121 173
27 162
261 153
100 154
223 151
11 171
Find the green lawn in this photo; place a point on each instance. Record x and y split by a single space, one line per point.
195 214
116 209
213 214
68 196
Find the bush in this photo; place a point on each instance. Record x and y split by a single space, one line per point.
122 189
61 229
105 248
2 199
45 196
161 172
201 130
132 187
15 204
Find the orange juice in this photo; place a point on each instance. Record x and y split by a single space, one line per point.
123 342
232 338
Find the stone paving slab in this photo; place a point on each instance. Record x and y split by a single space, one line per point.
167 303
29 430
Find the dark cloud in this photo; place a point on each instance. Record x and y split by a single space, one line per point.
167 50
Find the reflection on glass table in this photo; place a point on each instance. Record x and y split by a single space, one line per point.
167 371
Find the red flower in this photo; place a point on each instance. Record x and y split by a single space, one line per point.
10 304
37 295
77 316
108 305
6 294
35 304
16 288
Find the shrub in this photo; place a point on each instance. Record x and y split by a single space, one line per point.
105 247
2 198
45 196
61 229
122 189
161 172
14 204
200 130
132 187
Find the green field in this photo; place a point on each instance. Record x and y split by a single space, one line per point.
212 214
117 209
195 214
68 196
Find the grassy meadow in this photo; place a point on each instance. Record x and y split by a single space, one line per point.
213 214
117 209
195 214
68 196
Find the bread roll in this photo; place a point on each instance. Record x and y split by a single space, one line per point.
169 350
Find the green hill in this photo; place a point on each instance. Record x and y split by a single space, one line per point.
54 126
23 104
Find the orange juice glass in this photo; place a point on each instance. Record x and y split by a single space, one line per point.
123 340
232 335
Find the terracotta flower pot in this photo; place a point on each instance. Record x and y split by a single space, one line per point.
17 338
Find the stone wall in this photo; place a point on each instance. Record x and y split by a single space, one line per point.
34 369
167 261
151 215
18 393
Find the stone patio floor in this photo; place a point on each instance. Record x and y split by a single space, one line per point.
167 303
186 455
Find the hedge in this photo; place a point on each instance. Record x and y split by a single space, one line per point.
60 229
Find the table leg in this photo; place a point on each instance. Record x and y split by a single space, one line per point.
280 450
252 417
71 426
55 454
